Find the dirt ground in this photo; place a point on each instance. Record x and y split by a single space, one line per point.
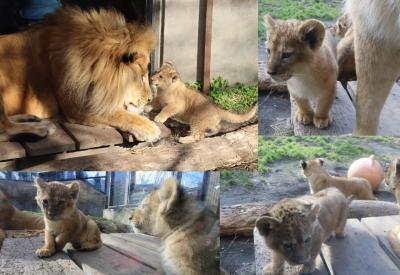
284 180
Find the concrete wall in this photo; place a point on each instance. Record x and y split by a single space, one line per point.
234 39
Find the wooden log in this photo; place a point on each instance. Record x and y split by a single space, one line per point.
342 112
263 256
226 151
240 219
358 253
11 150
389 124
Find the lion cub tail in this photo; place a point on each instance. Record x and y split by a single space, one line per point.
238 118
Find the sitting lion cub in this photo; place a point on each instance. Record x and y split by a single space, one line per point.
294 229
13 219
319 179
392 178
64 222
300 53
189 106
189 233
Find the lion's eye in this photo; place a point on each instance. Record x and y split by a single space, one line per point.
288 246
161 76
45 203
307 240
127 58
286 55
60 203
268 51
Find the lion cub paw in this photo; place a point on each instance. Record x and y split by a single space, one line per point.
147 131
307 268
160 118
321 123
303 118
268 270
44 252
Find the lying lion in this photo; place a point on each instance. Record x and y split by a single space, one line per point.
189 106
83 66
189 234
319 179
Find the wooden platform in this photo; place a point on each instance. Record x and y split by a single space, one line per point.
126 253
365 250
344 114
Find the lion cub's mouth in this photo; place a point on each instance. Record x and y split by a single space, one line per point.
130 107
280 78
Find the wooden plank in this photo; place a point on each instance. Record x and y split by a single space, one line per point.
11 150
263 256
389 122
230 150
91 137
17 256
358 253
342 112
207 45
379 227
108 261
147 254
148 241
58 142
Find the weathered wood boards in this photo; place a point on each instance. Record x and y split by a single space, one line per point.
263 256
389 123
343 114
17 256
11 150
358 253
229 150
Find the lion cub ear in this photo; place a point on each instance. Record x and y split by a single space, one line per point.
39 183
321 161
303 164
171 194
312 32
74 189
175 76
265 224
269 23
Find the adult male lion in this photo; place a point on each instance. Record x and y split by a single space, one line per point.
84 66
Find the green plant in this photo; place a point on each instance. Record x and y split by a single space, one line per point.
236 178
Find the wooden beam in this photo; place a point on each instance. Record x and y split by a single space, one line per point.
207 46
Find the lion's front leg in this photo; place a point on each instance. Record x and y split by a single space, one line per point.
141 127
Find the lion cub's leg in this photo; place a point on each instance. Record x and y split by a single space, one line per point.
168 111
378 67
322 117
49 247
276 266
304 113
90 239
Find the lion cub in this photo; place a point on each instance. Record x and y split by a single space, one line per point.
392 178
300 53
189 233
13 219
294 229
64 222
189 106
319 179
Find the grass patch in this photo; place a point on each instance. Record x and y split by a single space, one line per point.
303 147
238 98
236 178
295 9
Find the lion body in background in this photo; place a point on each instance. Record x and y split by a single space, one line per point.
81 66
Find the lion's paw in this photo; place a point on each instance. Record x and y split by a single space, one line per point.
44 252
147 131
321 123
268 270
307 268
303 118
160 118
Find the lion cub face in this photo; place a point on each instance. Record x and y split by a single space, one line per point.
288 229
342 25
56 199
164 77
291 43
311 166
158 210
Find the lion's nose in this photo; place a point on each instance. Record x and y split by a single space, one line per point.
272 72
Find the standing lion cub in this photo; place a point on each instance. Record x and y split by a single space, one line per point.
64 222
189 106
319 179
294 229
300 53
189 233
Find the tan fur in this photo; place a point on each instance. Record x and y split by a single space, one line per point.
13 219
392 178
319 179
64 222
294 229
342 26
84 66
189 234
376 27
189 106
300 53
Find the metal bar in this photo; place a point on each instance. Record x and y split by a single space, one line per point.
207 46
